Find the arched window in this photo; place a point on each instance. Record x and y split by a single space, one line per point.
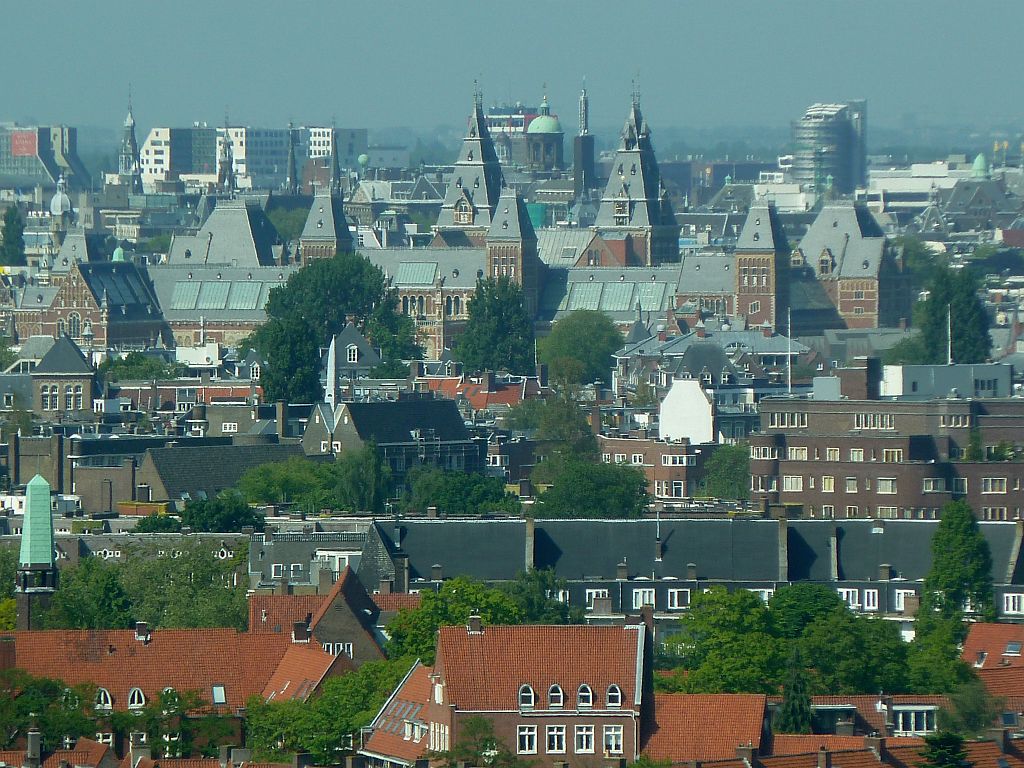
614 696
527 697
44 397
584 696
74 325
87 328
136 699
420 306
555 696
458 305
61 327
405 305
103 700
69 397
448 306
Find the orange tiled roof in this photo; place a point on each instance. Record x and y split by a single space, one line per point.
980 754
388 735
991 640
396 601
1005 682
484 671
704 726
183 659
277 613
479 397
797 743
301 671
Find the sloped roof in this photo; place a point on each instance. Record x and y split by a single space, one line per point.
484 671
397 601
395 421
511 221
406 704
563 246
762 231
235 233
482 549
124 288
277 613
216 292
212 468
704 726
991 640
327 221
707 273
183 659
64 357
851 235
300 672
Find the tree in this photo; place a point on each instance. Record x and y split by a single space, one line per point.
934 663
316 303
135 366
477 745
953 301
283 482
225 513
459 493
90 596
836 645
157 523
363 480
59 710
564 429
413 631
727 472
961 569
921 262
971 710
580 346
535 593
499 332
794 607
12 240
945 750
795 713
587 489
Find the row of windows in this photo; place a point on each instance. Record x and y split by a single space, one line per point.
678 599
874 421
637 459
801 453
885 485
583 742
556 697
49 396
787 419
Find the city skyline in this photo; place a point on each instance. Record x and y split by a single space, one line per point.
696 64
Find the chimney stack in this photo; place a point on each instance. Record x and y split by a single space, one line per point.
33 748
437 572
386 585
401 561
824 758
622 571
475 625
877 745
691 571
884 572
602 606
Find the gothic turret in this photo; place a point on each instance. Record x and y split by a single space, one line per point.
326 230
37 571
476 180
291 184
512 248
129 168
226 164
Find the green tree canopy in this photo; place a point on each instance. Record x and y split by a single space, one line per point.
953 299
971 709
580 346
794 607
225 513
835 646
316 303
413 631
135 366
499 332
727 472
12 238
535 593
582 488
91 596
944 749
794 715
459 493
961 570
478 745
156 523
60 711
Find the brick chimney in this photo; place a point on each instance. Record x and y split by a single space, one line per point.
437 572
691 571
622 571
475 625
884 572
877 745
33 748
824 758
281 417
386 586
748 754
489 382
602 606
766 330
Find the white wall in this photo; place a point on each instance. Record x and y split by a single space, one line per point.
688 412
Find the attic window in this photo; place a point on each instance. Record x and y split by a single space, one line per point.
527 697
757 236
504 225
1012 649
614 696
584 696
555 696
353 353
219 695
136 699
320 224
757 223
103 700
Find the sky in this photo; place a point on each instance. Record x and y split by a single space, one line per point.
699 63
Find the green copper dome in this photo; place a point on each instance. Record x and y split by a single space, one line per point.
979 169
118 254
544 124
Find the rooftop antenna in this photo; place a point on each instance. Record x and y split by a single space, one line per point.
949 334
584 110
636 90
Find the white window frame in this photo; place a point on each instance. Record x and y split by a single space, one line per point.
870 599
584 741
850 596
638 459
593 594
526 740
554 742
614 696
136 699
792 483
1013 603
828 484
613 740
796 453
556 697
991 485
643 596
886 485
104 702
527 696
900 598
678 599
584 696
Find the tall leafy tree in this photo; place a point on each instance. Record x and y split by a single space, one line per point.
795 713
727 472
594 489
459 493
363 480
796 606
944 749
934 662
961 569
91 596
835 646
580 346
971 709
536 591
12 238
225 513
953 301
499 332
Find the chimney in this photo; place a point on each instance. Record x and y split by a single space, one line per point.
475 625
300 632
659 550
691 571
877 745
325 581
884 572
531 538
432 512
702 333
542 374
1001 736
824 758
647 618
240 756
401 573
622 571
142 633
602 606
489 382
386 586
437 572
911 605
747 754
845 727
766 330
281 416
33 748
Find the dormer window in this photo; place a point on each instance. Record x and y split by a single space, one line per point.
103 700
136 699
614 696
584 696
527 697
555 696
353 353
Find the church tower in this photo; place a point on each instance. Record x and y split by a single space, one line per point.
512 248
475 185
762 254
37 572
326 230
635 206
583 168
291 183
129 167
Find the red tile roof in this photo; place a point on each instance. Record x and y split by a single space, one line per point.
301 671
477 394
704 726
484 671
980 754
277 613
1004 682
795 744
992 640
397 601
183 659
387 738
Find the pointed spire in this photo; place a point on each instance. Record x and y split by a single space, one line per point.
584 111
331 379
37 526
129 166
226 172
335 163
292 181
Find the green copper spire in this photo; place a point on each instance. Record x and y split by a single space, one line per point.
37 529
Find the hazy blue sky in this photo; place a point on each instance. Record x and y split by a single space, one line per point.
701 63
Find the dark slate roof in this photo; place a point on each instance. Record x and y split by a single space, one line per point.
394 421
124 287
482 549
762 231
64 357
18 385
327 221
212 469
511 221
236 232
741 550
